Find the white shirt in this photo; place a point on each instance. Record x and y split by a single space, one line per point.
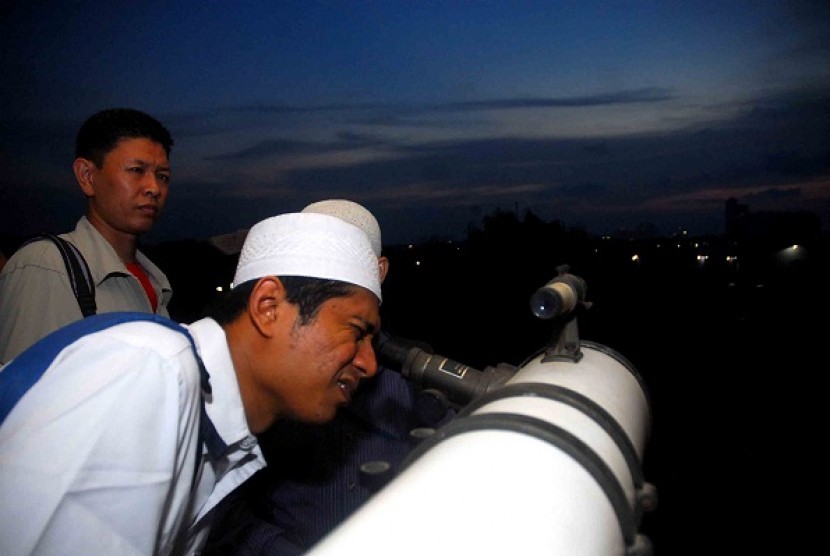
98 457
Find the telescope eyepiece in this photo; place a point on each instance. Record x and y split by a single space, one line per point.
558 297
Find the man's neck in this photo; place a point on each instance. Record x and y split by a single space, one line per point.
125 245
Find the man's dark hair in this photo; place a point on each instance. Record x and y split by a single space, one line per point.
102 131
307 293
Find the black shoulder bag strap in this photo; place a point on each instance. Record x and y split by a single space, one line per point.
78 271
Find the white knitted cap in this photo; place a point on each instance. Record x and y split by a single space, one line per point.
307 244
353 213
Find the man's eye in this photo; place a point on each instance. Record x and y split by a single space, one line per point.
137 170
163 178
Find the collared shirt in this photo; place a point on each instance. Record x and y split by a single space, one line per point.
36 296
98 457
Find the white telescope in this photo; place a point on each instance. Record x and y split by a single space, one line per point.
549 462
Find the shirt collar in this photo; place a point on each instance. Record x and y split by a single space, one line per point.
224 406
102 258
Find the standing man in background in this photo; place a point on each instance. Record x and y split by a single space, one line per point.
122 166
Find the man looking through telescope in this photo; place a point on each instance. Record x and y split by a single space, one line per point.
313 478
121 432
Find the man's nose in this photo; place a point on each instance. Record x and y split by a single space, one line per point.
153 185
365 359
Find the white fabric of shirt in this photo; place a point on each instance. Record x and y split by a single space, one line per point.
98 457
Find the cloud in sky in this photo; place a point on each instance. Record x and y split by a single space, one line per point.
601 117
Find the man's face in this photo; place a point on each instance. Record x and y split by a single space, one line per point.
128 192
320 363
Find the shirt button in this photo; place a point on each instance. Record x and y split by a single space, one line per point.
248 443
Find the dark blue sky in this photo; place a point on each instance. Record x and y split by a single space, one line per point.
432 114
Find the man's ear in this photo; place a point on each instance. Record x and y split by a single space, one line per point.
264 304
85 172
383 267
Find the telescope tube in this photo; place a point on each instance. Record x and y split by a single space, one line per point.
550 464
